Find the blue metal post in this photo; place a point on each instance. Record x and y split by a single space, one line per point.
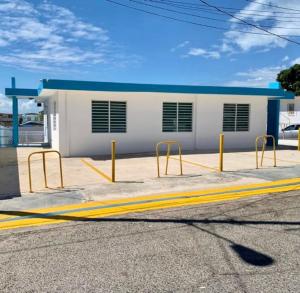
15 115
273 119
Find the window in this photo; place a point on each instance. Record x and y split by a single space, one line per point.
108 117
236 117
54 116
291 109
177 117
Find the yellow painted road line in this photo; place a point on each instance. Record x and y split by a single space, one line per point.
196 164
203 192
84 211
106 211
102 174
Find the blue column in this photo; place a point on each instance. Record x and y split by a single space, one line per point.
273 119
15 115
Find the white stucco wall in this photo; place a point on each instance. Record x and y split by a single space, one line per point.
288 118
210 121
144 122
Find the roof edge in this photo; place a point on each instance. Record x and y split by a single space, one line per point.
56 84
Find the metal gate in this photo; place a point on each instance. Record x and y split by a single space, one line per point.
6 136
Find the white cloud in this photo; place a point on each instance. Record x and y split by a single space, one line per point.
204 53
179 46
25 106
295 61
259 77
5 103
285 58
48 36
281 24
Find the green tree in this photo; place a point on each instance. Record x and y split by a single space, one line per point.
290 79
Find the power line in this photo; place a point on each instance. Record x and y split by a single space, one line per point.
250 24
271 5
194 7
182 20
205 17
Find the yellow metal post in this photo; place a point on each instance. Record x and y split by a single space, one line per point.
221 152
264 142
264 139
43 153
157 159
113 161
44 170
256 150
168 143
61 173
180 158
29 173
274 150
168 155
299 139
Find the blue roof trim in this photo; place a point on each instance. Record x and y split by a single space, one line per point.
187 89
55 84
21 92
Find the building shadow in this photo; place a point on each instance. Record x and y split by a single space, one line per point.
9 173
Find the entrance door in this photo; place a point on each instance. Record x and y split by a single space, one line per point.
273 120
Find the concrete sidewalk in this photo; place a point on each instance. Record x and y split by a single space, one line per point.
136 175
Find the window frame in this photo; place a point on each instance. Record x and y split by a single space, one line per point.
109 118
235 117
290 113
178 127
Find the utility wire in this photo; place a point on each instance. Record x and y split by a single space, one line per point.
271 5
205 17
182 20
195 5
213 11
250 24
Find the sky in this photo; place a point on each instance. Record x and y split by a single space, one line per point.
101 40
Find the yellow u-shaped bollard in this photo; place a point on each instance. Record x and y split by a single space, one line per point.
169 143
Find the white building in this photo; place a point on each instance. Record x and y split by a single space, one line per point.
289 112
83 117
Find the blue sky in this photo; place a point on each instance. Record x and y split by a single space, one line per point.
102 41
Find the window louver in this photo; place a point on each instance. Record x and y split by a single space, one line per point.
242 117
169 117
108 117
236 117
177 117
185 113
117 117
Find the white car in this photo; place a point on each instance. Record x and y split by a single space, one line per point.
290 131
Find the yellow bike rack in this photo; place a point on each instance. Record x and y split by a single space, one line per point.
264 139
43 153
168 143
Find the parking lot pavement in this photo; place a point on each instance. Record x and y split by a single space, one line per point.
248 245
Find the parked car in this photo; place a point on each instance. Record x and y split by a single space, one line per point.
32 124
290 131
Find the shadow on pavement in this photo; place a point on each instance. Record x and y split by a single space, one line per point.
246 254
9 173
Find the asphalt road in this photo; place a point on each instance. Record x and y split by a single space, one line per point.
242 246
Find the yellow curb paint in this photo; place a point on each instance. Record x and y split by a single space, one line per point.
237 188
102 174
85 215
196 164
139 207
